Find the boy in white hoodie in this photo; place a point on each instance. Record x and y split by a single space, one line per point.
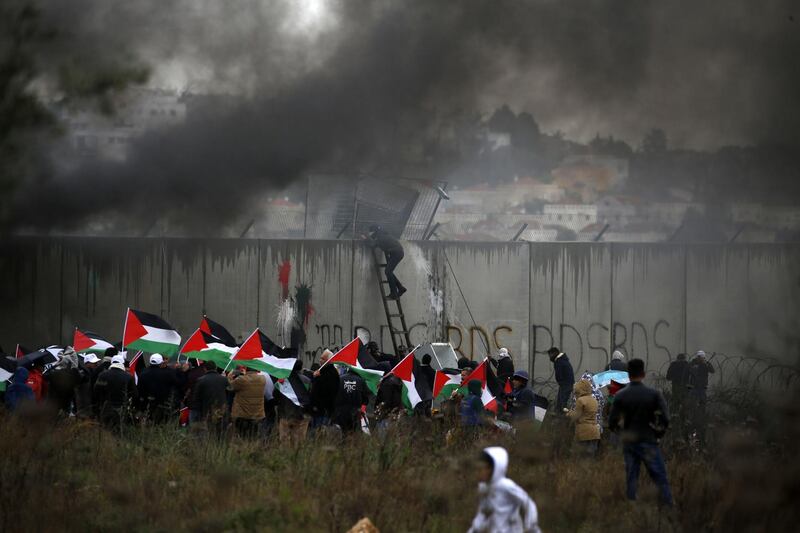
504 506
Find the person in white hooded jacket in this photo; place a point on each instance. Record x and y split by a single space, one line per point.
504 506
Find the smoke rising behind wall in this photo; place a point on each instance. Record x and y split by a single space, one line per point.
351 85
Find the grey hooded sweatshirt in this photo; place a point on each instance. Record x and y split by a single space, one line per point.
504 506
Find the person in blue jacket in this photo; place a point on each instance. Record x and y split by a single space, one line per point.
19 391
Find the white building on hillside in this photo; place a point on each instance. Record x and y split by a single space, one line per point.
92 134
570 215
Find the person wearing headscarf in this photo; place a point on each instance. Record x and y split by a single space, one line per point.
597 395
505 365
585 417
617 362
503 505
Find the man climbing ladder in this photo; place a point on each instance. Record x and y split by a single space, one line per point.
393 251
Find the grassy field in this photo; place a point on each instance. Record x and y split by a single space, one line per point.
75 476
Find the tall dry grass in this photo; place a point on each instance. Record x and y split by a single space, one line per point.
76 476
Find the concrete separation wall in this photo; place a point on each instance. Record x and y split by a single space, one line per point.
649 300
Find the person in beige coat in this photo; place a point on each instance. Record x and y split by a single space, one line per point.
248 401
584 416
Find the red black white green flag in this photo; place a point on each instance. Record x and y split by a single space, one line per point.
445 382
134 365
260 353
294 390
415 386
217 330
88 342
206 347
355 356
488 381
149 333
21 351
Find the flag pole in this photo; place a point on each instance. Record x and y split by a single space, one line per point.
125 328
234 354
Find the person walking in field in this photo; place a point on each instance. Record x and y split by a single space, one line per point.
503 505
640 414
564 375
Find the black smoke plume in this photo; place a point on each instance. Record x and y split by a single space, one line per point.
365 91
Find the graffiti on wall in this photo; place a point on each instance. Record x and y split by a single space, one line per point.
473 342
591 346
321 337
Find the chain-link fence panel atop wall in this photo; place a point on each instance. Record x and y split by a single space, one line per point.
345 207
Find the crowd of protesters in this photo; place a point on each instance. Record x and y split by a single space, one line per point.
252 404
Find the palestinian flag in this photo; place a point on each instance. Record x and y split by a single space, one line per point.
183 418
55 350
218 331
356 356
485 375
206 347
133 367
507 391
294 390
88 342
540 405
150 333
7 368
415 386
21 351
445 382
260 353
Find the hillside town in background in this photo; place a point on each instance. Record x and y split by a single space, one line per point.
506 179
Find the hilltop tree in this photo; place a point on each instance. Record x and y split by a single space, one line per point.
654 142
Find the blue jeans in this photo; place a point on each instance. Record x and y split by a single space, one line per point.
650 454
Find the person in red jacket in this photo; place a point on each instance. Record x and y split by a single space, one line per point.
36 381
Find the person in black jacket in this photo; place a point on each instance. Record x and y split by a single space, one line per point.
393 251
504 365
159 387
390 397
352 395
114 394
640 414
62 382
324 388
678 374
699 370
196 371
210 399
90 368
564 375
427 369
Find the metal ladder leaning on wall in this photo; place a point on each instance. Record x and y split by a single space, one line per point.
391 317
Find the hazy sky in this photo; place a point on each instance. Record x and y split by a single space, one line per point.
711 73
354 85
